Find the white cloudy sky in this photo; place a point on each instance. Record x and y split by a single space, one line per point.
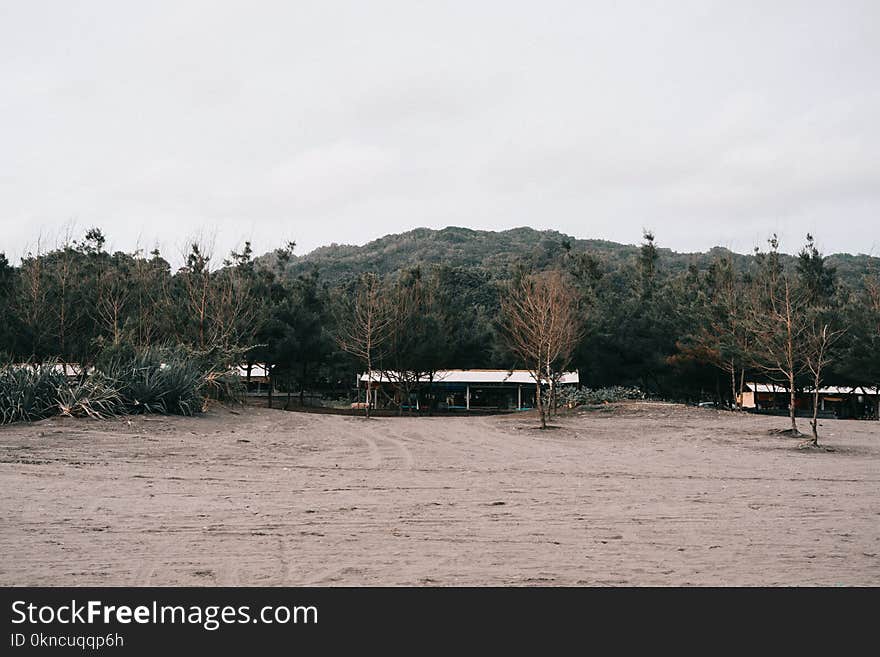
709 122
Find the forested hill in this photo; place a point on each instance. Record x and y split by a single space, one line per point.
498 253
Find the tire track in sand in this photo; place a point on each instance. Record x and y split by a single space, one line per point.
375 455
144 573
400 453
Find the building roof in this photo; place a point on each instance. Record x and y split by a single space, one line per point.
257 370
825 390
476 377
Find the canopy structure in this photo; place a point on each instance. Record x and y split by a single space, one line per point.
472 377
859 402
462 389
824 390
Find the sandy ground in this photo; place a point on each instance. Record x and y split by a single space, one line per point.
638 493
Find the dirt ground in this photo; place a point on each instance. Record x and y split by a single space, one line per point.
633 494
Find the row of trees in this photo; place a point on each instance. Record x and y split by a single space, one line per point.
692 335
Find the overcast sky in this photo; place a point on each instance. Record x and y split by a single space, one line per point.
708 122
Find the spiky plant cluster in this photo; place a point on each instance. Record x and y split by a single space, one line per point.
29 392
156 380
95 397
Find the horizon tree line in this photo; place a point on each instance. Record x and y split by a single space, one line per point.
677 336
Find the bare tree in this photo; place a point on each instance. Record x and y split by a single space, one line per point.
63 277
778 325
232 309
722 338
195 278
541 321
151 304
401 363
731 330
362 326
778 320
820 340
113 296
219 307
872 287
32 307
416 345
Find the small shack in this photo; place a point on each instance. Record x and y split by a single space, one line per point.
843 402
255 377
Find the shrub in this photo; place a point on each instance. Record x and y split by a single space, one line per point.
224 386
570 396
220 367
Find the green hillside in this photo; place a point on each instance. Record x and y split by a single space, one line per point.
498 253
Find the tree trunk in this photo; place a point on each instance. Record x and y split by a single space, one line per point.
431 395
369 381
814 424
792 396
540 404
734 399
271 387
742 385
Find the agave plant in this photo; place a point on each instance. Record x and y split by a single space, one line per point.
95 397
182 383
143 390
157 380
29 392
153 380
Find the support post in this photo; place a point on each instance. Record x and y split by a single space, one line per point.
467 398
519 397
